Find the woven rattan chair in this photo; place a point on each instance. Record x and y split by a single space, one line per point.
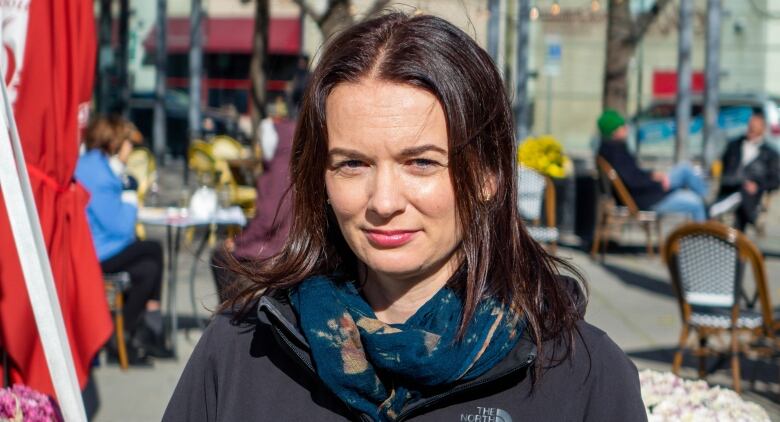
116 284
706 263
535 191
142 165
611 215
224 147
201 161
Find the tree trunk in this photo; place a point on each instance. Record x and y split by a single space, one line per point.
338 15
623 35
258 65
620 49
336 18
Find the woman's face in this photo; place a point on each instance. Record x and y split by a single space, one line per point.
388 182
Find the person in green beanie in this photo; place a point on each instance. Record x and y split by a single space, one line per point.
610 121
682 190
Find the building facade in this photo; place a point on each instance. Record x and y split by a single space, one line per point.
565 101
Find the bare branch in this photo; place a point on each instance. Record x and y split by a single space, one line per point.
307 9
376 8
644 20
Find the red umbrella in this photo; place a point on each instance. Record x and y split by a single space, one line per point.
54 41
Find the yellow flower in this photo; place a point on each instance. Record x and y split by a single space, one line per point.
543 154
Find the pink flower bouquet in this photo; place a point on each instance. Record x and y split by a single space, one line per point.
21 403
670 398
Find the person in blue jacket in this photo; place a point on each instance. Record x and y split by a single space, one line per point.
112 223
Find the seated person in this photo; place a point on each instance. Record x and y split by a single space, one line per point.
112 223
750 168
681 190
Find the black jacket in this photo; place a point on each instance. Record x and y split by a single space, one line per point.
645 191
260 369
763 169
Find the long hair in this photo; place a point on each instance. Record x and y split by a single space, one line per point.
499 258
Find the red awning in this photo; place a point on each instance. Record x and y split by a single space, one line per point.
231 35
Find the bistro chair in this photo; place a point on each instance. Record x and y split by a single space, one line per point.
201 161
142 165
763 213
706 263
611 215
535 192
226 148
116 284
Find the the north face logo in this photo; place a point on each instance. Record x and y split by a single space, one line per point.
486 414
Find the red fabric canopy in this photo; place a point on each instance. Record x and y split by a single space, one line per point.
54 82
231 35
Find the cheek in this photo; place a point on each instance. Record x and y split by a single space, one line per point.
436 201
346 197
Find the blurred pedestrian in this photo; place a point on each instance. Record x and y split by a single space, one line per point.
750 168
112 223
408 287
680 190
266 232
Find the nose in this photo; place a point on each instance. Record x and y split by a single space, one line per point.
386 198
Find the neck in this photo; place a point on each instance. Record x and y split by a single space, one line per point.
396 299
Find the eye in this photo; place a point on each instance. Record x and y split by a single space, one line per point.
423 166
423 163
349 167
352 164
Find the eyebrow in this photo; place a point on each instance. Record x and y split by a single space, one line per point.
407 152
413 151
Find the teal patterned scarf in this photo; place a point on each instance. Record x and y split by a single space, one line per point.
377 368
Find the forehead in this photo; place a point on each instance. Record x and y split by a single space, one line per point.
371 111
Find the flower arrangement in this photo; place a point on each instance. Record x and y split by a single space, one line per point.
545 155
21 403
668 397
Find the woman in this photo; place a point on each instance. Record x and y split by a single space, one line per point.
266 232
112 223
408 287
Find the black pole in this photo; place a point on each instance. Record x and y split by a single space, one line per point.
712 77
104 57
493 28
161 61
122 58
196 74
684 73
521 70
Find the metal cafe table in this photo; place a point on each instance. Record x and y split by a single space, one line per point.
175 220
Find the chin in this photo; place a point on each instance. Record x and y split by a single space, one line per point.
394 264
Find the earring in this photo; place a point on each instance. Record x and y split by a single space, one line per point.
327 201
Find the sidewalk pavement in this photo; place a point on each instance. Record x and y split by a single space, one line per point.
630 299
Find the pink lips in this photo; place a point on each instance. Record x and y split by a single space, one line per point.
390 238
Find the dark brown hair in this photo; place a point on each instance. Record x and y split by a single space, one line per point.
499 257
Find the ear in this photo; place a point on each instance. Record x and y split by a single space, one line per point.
489 187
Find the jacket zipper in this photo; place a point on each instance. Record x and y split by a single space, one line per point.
433 400
296 351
